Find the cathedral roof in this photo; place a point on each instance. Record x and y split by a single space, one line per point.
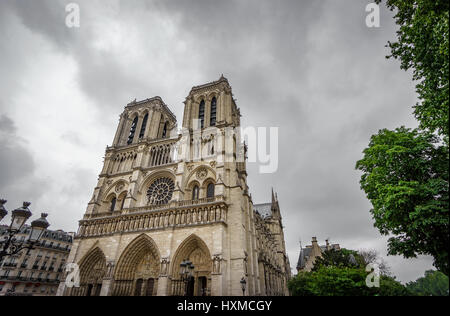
265 209
209 84
157 100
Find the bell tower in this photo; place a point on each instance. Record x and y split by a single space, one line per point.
211 104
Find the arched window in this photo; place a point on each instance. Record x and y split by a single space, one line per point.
164 132
123 202
201 114
210 190
113 204
132 131
144 125
212 121
195 192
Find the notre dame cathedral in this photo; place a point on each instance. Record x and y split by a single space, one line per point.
172 214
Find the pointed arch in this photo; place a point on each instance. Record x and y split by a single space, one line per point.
143 126
139 262
191 176
201 113
194 249
132 130
213 112
92 270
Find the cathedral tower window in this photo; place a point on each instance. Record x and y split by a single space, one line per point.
164 132
113 204
195 193
201 114
210 190
144 124
212 121
132 130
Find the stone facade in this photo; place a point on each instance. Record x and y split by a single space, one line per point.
36 272
165 196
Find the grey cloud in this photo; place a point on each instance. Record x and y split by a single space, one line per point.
311 68
18 181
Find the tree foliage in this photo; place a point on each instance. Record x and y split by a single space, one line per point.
371 256
342 273
423 46
405 173
338 258
405 176
342 281
434 283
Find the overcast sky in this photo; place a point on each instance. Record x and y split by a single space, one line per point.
311 68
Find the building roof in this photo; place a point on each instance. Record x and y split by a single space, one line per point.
303 257
306 252
265 209
57 235
209 84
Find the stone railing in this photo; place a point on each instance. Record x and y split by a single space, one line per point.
154 217
156 208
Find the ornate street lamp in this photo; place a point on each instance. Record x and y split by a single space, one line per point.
243 285
38 227
19 216
9 245
186 273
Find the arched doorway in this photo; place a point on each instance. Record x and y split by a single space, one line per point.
195 250
138 269
92 270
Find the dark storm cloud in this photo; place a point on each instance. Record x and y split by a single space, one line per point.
18 181
311 68
16 161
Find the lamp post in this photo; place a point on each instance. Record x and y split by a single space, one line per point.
243 285
186 273
9 245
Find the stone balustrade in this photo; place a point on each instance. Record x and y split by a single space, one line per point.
154 217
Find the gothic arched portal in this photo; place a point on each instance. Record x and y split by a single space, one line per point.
92 270
195 250
138 269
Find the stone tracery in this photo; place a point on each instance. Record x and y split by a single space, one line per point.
138 268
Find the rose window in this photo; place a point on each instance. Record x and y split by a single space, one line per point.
160 191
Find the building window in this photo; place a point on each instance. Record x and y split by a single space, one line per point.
164 132
160 191
113 204
212 121
144 124
210 190
195 193
132 130
201 114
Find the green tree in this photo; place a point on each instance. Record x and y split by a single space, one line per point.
339 258
434 283
423 46
342 281
405 176
405 173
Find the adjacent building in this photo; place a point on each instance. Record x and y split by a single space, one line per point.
35 272
309 254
